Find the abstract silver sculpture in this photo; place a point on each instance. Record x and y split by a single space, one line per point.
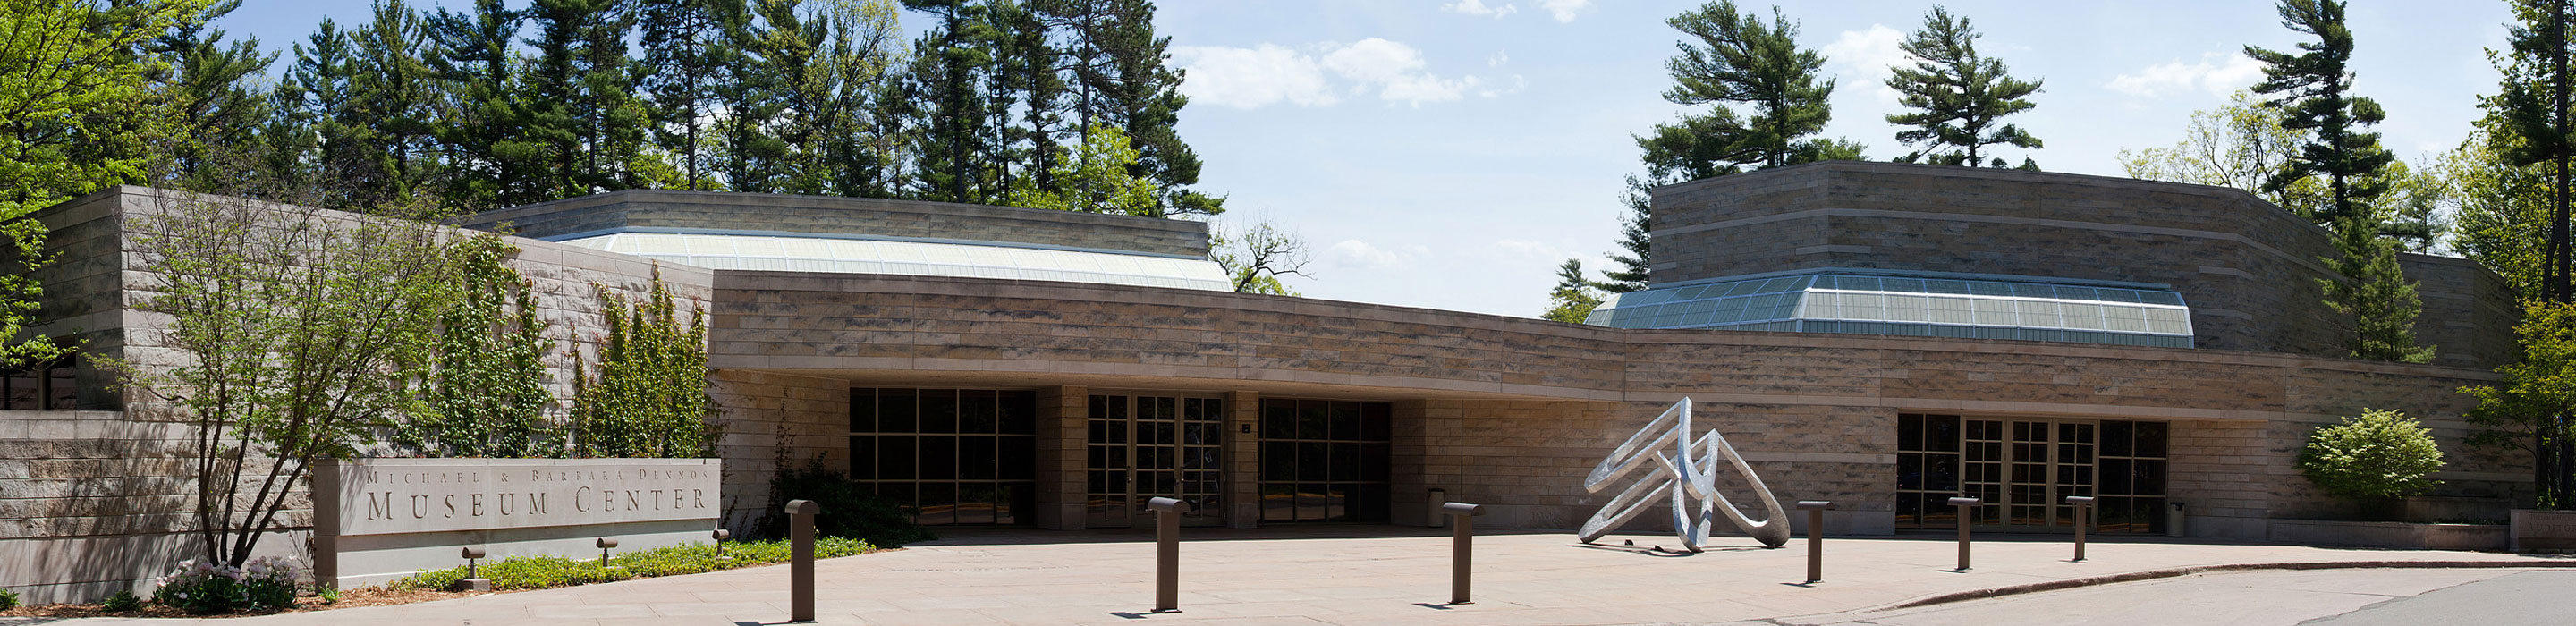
1666 450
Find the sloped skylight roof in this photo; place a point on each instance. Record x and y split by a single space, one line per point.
1928 306
911 257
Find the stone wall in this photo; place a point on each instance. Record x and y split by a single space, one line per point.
2248 269
105 492
772 421
1512 413
872 217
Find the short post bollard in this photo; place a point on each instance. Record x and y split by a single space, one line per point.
605 544
1815 537
2081 503
800 560
721 535
474 580
1964 504
1462 551
1167 553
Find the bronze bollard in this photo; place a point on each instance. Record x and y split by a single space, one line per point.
1167 553
604 545
800 560
1964 505
1462 553
2081 503
720 535
1815 537
474 580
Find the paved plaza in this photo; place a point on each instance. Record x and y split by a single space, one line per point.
1375 575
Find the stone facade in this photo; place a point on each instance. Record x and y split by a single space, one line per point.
871 217
2249 270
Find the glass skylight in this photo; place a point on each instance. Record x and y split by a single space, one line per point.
1922 306
918 258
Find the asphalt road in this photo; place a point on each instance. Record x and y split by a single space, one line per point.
2359 597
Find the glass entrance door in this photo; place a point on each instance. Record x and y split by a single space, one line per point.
1142 447
2023 470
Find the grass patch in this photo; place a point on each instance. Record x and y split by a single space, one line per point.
541 572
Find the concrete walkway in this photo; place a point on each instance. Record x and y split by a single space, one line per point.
2335 597
1347 575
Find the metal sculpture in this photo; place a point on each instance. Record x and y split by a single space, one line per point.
1687 476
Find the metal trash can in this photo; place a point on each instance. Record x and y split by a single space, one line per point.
2173 520
1438 497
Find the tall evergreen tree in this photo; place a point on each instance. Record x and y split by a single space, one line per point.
212 93
481 126
1573 299
388 111
1739 60
2314 88
949 66
1957 96
325 104
859 152
683 42
1122 77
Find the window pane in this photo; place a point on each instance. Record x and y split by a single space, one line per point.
1377 421
1346 421
2151 439
1314 419
1278 461
978 412
977 458
938 457
1345 461
1019 413
1278 419
1313 458
938 504
938 411
895 457
863 457
1019 458
895 411
863 410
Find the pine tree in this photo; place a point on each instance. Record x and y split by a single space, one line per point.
683 42
391 91
481 127
211 93
1121 78
2314 90
1741 60
1958 97
325 101
1572 301
1636 241
2380 301
859 154
949 67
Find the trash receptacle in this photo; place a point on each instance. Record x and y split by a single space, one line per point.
2173 520
1438 497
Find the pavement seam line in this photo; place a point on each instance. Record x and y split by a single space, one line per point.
2091 581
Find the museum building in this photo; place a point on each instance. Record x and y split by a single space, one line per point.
1880 335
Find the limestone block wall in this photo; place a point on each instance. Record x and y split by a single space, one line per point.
92 503
2248 269
770 421
657 209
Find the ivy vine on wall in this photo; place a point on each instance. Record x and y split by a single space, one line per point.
649 395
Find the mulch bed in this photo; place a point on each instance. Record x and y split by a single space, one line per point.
371 596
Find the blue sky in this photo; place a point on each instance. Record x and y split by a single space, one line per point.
1450 153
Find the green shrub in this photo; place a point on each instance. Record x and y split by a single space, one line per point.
847 510
122 602
8 599
541 572
2380 455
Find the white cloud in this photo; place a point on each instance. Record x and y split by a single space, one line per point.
1865 56
1478 8
2217 73
1356 254
1248 78
1565 10
1518 83
1500 57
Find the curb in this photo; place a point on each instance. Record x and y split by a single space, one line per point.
2090 581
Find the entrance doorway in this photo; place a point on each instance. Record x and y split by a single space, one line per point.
1147 446
2023 470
